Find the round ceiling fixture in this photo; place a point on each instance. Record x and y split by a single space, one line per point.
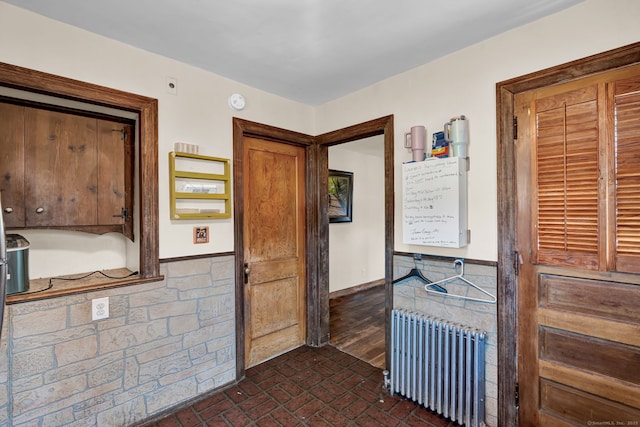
236 101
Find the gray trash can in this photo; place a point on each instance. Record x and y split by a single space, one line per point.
18 264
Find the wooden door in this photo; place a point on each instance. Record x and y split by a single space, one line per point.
12 164
274 248
115 175
60 168
578 242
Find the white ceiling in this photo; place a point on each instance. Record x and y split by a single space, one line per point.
311 51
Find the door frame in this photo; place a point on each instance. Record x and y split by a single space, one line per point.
242 128
507 191
380 126
317 238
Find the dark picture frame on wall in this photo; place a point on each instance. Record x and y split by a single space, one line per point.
340 196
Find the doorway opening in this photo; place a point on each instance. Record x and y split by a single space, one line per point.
372 133
356 249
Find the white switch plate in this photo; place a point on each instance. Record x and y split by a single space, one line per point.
100 308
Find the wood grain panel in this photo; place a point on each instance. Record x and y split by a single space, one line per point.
615 390
590 354
627 86
274 270
274 248
622 332
548 420
555 101
569 404
627 174
60 168
12 163
274 307
111 172
273 226
619 302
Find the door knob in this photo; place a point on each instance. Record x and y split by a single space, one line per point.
247 270
39 210
8 210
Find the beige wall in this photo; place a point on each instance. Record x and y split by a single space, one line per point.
464 83
198 114
356 249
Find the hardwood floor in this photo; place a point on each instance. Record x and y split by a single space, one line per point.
357 325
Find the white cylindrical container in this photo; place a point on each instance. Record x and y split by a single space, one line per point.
456 132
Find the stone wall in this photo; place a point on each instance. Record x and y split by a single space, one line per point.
164 343
410 295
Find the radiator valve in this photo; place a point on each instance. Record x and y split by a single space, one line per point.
387 381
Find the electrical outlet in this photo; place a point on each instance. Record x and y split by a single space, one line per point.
100 308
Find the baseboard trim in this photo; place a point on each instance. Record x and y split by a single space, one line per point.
355 289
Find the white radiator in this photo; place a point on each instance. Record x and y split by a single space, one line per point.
439 365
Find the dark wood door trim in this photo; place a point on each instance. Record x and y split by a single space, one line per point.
380 126
507 279
242 128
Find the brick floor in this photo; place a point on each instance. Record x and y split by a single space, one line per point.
305 387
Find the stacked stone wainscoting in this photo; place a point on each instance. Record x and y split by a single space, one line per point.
164 343
410 295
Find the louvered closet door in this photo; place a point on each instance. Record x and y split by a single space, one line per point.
566 156
626 119
578 234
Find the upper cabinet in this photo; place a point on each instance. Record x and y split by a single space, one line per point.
65 170
12 164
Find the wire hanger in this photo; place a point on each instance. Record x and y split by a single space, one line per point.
415 273
492 299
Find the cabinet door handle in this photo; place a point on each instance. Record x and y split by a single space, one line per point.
123 214
8 210
39 210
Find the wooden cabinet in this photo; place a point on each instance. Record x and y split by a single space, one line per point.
200 187
60 169
115 173
12 164
65 170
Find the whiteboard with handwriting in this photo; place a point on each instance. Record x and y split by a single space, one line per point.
434 202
